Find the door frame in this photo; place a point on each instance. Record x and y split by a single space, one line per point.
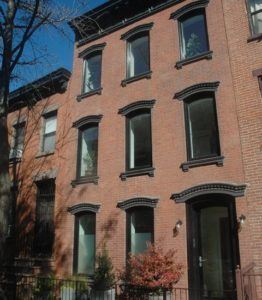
207 200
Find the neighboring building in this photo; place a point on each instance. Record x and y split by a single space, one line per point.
163 139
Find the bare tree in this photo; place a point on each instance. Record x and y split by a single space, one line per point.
19 21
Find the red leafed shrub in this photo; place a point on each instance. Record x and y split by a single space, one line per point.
153 269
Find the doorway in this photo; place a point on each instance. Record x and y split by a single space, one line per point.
213 247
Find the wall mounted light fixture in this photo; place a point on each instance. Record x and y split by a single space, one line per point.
240 222
177 228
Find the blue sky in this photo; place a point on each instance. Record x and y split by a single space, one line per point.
54 49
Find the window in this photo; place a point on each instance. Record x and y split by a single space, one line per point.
138 61
193 34
260 83
85 228
140 229
92 72
49 132
44 218
139 144
201 126
255 7
88 150
18 144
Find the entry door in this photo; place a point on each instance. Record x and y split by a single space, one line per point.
212 248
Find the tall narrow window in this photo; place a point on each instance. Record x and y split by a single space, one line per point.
193 34
49 133
139 144
255 7
201 126
85 228
18 144
138 59
140 229
92 72
44 218
88 149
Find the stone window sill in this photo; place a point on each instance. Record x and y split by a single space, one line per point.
146 75
206 55
98 91
83 180
218 160
255 37
44 154
138 172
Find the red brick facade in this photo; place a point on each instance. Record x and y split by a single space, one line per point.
238 104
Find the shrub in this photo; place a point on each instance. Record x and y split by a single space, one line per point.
153 269
104 277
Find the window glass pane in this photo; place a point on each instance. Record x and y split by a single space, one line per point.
194 35
92 73
255 5
86 244
50 124
44 219
138 56
141 229
140 150
19 137
89 151
49 142
203 133
257 23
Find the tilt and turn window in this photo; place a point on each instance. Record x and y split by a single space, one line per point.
44 218
193 34
138 61
84 258
255 8
201 126
92 72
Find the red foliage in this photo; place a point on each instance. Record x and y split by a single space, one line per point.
153 269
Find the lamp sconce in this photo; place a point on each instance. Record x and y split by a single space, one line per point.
240 222
176 229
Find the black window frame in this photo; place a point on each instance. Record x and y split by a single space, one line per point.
187 101
44 135
129 211
128 120
129 42
37 248
186 16
98 89
251 23
79 150
76 240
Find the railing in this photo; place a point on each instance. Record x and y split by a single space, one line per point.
249 283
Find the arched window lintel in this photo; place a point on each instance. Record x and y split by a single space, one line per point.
143 104
90 50
137 202
86 120
188 8
83 207
138 29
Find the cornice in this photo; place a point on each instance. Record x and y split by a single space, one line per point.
139 201
135 106
86 120
189 7
234 190
83 207
197 88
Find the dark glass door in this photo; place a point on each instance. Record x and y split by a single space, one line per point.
213 246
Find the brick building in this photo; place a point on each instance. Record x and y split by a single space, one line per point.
160 140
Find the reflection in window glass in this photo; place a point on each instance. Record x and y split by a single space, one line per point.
256 15
139 141
49 133
85 244
193 35
138 56
19 136
202 131
88 149
140 226
92 73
